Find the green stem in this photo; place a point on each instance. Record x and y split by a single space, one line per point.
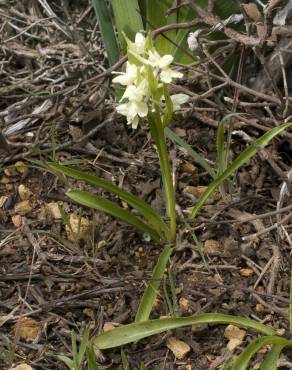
157 132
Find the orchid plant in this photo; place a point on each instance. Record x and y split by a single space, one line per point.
146 97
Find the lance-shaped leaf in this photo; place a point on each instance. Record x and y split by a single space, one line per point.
150 293
150 215
93 201
243 359
237 163
136 331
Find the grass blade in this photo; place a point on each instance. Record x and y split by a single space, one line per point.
125 361
196 156
83 345
150 215
91 359
243 359
93 201
271 358
237 163
150 293
107 30
290 305
67 361
136 331
128 20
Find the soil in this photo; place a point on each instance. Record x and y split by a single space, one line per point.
50 110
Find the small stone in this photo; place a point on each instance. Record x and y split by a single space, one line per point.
24 192
109 326
3 199
213 247
101 244
188 168
181 132
89 312
184 304
178 347
10 171
27 328
259 307
22 367
197 191
21 167
23 207
246 272
54 210
235 336
81 228
9 187
16 220
5 180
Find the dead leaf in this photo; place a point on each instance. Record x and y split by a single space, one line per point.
27 328
178 347
235 336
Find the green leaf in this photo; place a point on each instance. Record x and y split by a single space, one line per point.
91 359
74 349
243 359
157 133
290 305
93 201
128 20
67 361
197 157
222 152
83 345
136 331
237 163
125 362
150 293
169 107
107 30
150 215
156 18
271 358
